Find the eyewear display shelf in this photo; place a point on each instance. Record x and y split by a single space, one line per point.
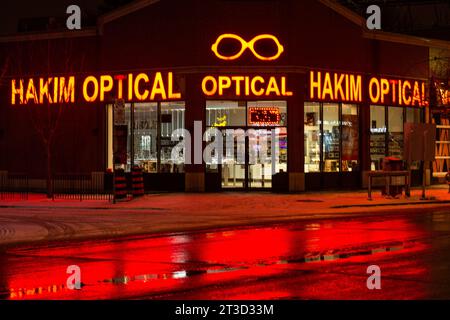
396 145
331 149
377 145
312 151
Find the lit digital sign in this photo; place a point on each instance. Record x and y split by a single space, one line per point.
264 116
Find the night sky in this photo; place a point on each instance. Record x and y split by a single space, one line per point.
12 11
422 18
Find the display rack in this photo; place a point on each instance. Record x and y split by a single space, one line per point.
377 149
312 149
396 145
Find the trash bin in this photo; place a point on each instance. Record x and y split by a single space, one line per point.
392 164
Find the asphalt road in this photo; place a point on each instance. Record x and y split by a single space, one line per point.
323 259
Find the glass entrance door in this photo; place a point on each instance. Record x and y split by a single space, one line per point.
233 168
254 143
252 159
259 158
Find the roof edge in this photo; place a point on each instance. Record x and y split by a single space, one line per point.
406 39
122 11
33 36
344 11
383 35
140 4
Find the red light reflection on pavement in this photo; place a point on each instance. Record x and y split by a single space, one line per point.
159 266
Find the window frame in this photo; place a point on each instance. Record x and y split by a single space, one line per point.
386 123
321 134
131 137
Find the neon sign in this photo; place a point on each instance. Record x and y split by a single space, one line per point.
245 86
335 86
396 91
247 45
264 116
52 90
345 87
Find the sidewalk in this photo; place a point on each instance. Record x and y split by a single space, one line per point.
41 219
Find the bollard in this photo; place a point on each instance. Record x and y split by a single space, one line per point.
138 182
120 184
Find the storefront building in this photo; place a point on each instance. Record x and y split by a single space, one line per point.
304 98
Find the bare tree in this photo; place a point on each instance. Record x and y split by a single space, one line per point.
49 56
4 68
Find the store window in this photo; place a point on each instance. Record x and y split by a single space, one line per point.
350 138
331 137
377 135
386 132
151 138
312 137
225 113
145 135
172 118
413 115
395 132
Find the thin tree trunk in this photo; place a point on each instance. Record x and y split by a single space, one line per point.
49 172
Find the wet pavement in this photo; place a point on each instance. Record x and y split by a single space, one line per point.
42 220
323 259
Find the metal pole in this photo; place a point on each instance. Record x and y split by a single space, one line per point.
114 186
131 146
424 177
158 137
132 136
113 158
408 166
424 173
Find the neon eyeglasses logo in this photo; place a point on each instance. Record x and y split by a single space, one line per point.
265 41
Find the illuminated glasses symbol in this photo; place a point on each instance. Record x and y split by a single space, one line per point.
244 45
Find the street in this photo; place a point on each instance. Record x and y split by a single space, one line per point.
314 259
